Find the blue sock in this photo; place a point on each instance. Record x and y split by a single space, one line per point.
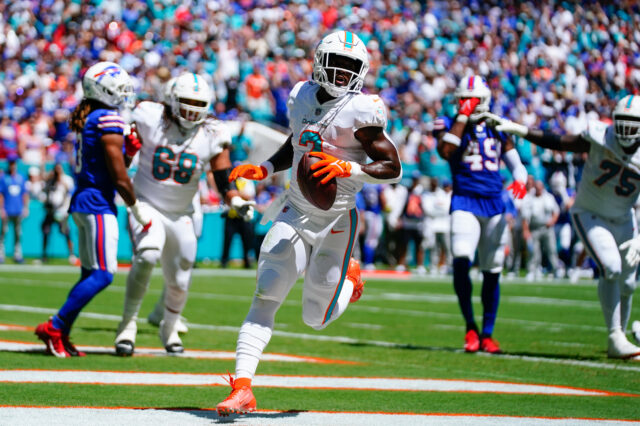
490 300
79 296
368 254
462 286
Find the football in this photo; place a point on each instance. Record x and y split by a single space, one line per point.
320 195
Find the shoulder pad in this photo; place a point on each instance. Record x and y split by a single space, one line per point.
147 113
370 111
595 132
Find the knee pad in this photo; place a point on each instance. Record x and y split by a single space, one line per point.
150 256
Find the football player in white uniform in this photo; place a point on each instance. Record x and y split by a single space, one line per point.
603 210
330 117
176 140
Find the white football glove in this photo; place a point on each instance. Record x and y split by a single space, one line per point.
244 208
633 251
140 212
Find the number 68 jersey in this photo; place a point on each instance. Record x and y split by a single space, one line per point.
610 185
170 162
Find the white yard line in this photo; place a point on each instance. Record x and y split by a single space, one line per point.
343 339
13 346
155 417
305 382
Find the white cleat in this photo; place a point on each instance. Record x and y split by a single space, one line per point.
170 339
635 330
126 338
181 324
620 347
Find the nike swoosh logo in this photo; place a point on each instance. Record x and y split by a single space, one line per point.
336 232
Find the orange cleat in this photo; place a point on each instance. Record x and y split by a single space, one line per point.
53 339
471 341
240 401
353 272
490 345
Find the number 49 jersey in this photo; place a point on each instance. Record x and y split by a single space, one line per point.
475 166
609 186
170 162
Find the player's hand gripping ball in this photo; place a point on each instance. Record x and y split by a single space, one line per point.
321 195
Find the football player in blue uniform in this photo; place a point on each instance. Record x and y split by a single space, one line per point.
474 151
100 171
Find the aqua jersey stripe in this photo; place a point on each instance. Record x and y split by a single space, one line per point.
630 100
353 216
195 77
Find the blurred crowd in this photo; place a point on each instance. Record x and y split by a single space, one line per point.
549 64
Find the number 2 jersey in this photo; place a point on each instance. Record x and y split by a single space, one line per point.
329 127
608 187
475 168
171 162
95 191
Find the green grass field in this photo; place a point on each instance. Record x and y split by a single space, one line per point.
552 334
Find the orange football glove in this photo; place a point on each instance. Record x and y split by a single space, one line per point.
248 171
331 167
518 189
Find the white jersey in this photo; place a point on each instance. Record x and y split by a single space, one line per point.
610 182
329 128
171 162
538 210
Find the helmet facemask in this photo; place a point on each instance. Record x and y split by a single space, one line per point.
189 112
338 74
627 129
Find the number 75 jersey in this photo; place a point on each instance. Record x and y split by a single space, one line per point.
170 162
610 185
475 165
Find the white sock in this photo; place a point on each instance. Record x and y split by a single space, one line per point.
609 294
137 284
252 340
625 311
174 301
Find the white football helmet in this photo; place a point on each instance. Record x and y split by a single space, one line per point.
626 120
326 62
474 86
190 100
109 83
166 93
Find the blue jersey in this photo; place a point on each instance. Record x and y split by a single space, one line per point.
371 195
475 169
95 191
13 188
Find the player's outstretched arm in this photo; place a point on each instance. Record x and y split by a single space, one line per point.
281 160
221 168
572 143
118 172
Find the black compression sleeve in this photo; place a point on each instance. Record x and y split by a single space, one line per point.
545 139
221 177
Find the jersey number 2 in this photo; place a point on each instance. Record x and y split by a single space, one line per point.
165 164
625 185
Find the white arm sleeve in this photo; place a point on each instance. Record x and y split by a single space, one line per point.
358 174
517 169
